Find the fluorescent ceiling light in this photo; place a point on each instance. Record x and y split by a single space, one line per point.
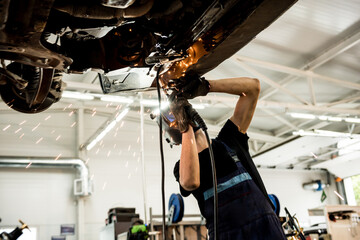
107 129
302 115
330 118
335 119
324 133
352 120
77 95
118 99
154 103
325 118
122 115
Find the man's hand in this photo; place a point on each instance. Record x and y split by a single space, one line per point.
192 85
178 105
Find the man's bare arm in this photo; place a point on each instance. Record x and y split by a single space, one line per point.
248 89
189 162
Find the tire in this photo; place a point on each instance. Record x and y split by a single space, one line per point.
35 97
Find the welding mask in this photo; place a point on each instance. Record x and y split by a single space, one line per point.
172 135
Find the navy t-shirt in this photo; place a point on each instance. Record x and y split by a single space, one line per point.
224 163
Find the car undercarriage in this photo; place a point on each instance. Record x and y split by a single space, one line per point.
42 39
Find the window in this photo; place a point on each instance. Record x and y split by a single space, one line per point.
356 186
352 189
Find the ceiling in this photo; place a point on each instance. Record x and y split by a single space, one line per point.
308 61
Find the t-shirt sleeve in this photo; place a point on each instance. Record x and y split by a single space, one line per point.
183 192
230 132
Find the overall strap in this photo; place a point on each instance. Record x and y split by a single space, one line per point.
231 152
250 168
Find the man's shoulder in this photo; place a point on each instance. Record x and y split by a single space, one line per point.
230 135
231 130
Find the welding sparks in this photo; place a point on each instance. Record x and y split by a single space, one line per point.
21 136
93 114
40 139
35 127
48 117
314 155
22 122
58 137
122 124
138 140
104 186
52 131
67 106
5 128
18 130
109 152
129 148
134 154
28 165
71 113
58 156
97 151
73 124
337 194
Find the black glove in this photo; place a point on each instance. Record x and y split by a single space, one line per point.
191 85
178 107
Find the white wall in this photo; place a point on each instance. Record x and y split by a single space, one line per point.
287 186
115 166
41 198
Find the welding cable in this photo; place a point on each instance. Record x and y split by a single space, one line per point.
162 156
194 115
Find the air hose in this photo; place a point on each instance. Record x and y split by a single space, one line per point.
196 118
162 158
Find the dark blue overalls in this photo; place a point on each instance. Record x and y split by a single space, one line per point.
244 212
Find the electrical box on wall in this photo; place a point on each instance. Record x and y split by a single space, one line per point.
83 187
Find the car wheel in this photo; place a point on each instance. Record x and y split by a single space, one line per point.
35 96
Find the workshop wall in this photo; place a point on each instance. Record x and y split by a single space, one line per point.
42 198
116 170
287 186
